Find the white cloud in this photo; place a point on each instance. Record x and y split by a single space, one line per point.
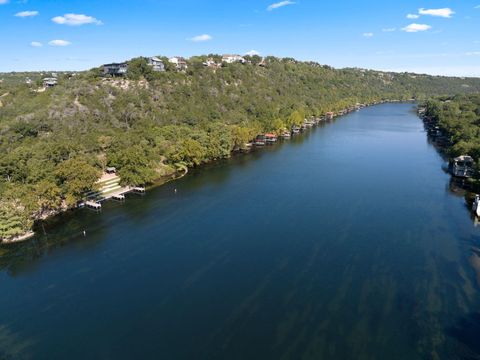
252 53
477 7
413 16
416 28
3 2
26 13
473 53
36 44
201 38
59 43
368 34
279 5
75 20
389 30
444 12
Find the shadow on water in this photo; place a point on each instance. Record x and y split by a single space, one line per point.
458 186
12 346
67 229
52 236
467 333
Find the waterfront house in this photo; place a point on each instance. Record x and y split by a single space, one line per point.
229 59
309 123
156 64
463 166
260 140
179 62
50 82
329 115
270 138
115 69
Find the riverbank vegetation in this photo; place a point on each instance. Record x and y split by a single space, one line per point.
458 118
55 143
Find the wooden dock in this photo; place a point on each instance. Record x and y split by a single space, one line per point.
117 194
93 205
109 188
139 190
118 197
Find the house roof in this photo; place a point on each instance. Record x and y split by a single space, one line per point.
154 58
463 158
116 64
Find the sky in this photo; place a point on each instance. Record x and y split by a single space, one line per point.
440 37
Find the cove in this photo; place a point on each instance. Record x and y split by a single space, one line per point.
344 243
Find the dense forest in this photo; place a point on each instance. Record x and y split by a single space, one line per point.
458 117
54 144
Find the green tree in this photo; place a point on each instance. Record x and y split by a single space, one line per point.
188 151
138 68
278 126
11 220
135 165
296 118
76 177
49 195
241 135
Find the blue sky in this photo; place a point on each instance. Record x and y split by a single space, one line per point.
437 37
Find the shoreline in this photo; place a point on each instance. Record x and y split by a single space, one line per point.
337 114
466 187
19 238
168 179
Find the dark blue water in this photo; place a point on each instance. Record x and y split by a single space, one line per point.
345 243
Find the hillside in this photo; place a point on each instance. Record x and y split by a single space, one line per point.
458 117
55 143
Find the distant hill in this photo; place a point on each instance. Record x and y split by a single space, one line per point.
54 142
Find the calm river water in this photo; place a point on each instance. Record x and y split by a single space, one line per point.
345 243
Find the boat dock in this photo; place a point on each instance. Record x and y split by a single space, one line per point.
118 197
93 205
109 188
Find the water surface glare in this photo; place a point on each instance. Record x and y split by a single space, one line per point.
344 243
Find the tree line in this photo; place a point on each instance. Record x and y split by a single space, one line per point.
458 117
54 144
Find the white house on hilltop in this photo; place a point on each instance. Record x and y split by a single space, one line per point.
115 69
50 82
179 62
233 58
156 64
